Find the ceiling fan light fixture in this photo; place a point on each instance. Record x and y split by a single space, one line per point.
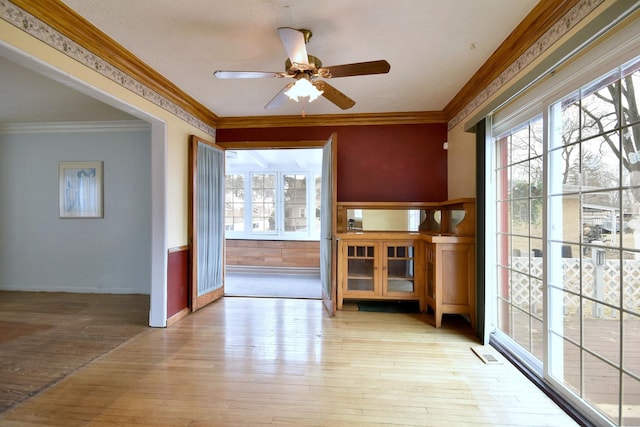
302 89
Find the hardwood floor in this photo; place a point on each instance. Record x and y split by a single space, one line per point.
262 361
45 336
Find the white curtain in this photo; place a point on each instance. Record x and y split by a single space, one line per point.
210 218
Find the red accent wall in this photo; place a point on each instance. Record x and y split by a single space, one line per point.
376 163
177 280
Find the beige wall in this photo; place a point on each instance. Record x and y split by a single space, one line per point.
178 131
461 164
461 155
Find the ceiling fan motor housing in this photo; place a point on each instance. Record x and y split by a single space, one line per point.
293 69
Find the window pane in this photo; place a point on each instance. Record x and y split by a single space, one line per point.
601 331
234 203
564 271
631 157
565 117
295 203
519 144
562 218
520 217
537 298
536 137
598 106
564 167
631 285
504 284
600 164
630 401
503 210
521 329
571 364
505 320
631 344
520 290
601 386
571 320
537 339
263 193
600 214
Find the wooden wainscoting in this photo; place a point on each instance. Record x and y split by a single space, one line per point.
177 284
273 253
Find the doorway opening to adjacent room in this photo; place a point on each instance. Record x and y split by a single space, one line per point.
272 222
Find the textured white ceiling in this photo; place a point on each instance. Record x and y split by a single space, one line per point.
433 46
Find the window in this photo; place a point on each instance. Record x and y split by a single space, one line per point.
594 291
234 203
519 235
263 202
295 202
566 186
284 200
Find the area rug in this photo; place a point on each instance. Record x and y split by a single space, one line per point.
45 336
272 285
389 306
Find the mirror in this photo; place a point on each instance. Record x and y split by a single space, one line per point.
384 219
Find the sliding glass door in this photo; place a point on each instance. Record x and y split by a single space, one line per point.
566 185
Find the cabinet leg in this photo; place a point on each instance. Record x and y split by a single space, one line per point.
437 316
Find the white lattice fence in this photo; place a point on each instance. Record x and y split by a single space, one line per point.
523 286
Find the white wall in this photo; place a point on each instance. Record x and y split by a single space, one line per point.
41 252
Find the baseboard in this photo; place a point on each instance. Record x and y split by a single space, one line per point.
73 290
249 269
179 315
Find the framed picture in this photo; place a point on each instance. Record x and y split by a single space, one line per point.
80 189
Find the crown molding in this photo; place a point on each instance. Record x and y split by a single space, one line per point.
56 24
547 22
59 26
70 127
332 120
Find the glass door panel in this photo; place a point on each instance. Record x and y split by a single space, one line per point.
361 267
400 268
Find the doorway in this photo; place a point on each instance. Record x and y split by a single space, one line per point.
116 110
272 222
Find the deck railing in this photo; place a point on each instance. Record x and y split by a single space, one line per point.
599 278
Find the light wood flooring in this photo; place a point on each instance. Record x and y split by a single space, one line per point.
262 361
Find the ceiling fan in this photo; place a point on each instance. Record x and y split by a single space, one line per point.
306 70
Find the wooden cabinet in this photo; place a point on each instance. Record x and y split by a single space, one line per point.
422 251
380 268
450 276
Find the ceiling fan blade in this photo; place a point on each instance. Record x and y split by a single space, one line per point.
358 69
279 99
334 95
221 74
294 44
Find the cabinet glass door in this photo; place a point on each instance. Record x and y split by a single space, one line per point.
400 268
361 267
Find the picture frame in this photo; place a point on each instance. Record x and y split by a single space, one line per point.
80 189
